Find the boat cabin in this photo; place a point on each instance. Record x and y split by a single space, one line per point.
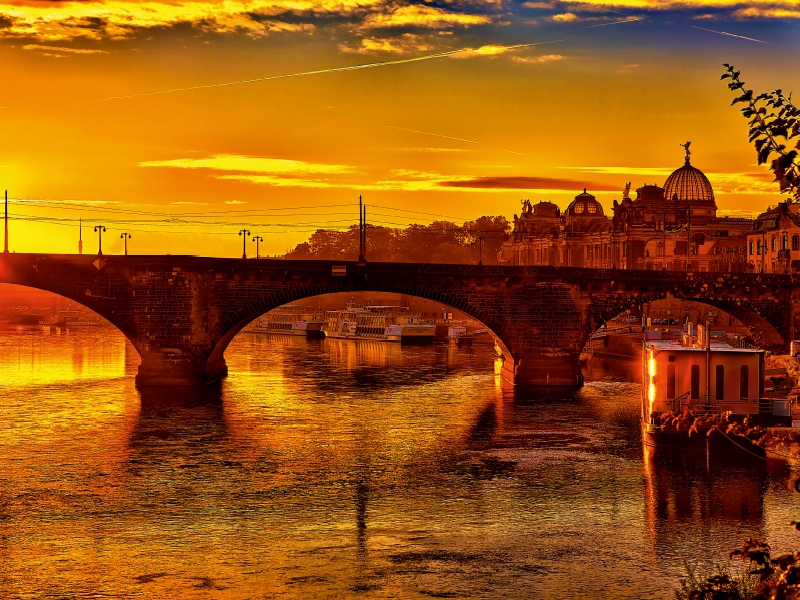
706 373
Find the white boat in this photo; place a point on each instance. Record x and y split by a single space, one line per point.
291 319
692 380
378 322
76 318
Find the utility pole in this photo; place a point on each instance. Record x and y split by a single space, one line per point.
257 239
244 233
5 249
100 230
80 235
480 249
362 233
126 236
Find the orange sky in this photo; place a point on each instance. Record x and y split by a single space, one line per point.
602 103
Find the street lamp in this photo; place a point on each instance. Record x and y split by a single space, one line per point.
99 229
125 236
257 239
245 233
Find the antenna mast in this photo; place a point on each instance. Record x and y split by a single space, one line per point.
5 249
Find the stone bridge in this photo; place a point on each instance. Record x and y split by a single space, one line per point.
181 312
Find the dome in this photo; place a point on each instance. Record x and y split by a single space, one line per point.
584 205
546 209
688 183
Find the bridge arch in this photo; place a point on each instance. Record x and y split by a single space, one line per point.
92 302
762 322
229 327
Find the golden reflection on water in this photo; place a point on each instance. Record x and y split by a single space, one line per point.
322 469
37 355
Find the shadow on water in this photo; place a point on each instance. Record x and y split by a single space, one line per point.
334 365
183 421
689 494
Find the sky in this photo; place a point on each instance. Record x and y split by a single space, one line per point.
184 122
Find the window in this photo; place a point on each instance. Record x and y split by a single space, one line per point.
773 243
720 382
796 242
785 242
758 247
751 247
671 381
660 249
591 208
744 382
695 382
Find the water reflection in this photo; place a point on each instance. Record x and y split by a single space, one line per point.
349 470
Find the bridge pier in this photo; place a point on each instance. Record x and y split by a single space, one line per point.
171 367
553 369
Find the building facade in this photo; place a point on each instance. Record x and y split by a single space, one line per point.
672 227
773 244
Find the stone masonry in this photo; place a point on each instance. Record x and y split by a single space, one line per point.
181 312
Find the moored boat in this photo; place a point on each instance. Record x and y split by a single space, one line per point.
699 388
378 323
291 319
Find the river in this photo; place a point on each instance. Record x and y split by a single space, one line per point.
328 469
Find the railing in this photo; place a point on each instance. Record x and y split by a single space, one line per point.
681 401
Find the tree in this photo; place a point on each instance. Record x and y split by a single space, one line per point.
774 130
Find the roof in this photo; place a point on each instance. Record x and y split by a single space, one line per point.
688 183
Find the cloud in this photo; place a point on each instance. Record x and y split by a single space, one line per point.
40 48
249 164
235 202
752 8
526 183
537 60
767 13
627 171
422 16
565 17
118 19
490 50
404 44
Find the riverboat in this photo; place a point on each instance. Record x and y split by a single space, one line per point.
291 319
696 384
76 318
378 323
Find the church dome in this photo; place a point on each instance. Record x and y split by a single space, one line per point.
584 205
688 183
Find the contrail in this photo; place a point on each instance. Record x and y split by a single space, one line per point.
631 20
320 71
741 37
448 137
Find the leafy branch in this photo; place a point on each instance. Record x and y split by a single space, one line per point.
774 130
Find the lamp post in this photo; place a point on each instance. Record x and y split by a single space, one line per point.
100 229
244 233
257 239
125 236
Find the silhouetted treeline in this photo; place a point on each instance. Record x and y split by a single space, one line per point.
439 242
